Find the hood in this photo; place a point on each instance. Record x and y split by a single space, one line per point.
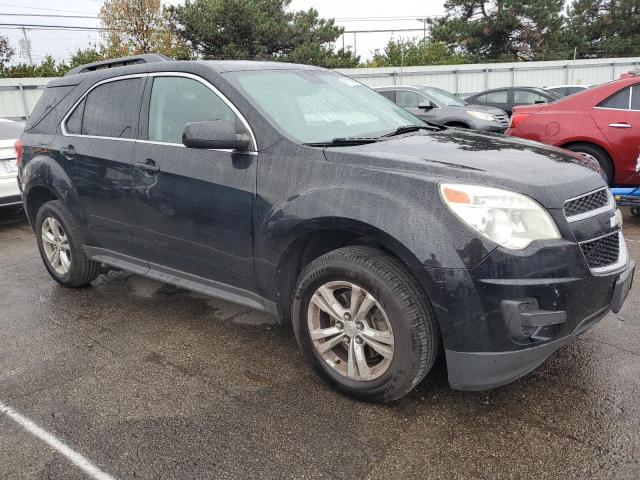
483 108
549 175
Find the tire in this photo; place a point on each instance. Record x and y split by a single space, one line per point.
400 312
78 270
635 211
600 155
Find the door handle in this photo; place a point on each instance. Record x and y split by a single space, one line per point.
619 125
68 152
149 166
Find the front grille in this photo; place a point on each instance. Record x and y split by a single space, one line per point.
603 251
503 120
586 203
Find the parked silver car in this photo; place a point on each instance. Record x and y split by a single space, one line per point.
9 191
439 106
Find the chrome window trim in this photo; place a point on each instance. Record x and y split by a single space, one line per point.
160 74
629 109
610 206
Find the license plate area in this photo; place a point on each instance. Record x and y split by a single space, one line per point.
622 288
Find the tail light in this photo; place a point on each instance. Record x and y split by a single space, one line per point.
517 119
18 147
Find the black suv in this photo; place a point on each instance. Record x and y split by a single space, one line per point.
295 190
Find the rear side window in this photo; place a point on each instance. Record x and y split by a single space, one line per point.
497 97
176 101
619 100
109 110
51 97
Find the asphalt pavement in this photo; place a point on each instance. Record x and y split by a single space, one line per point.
144 380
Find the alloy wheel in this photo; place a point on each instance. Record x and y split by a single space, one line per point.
350 330
56 246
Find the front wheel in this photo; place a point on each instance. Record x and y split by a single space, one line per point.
362 322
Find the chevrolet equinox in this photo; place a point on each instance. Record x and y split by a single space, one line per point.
383 240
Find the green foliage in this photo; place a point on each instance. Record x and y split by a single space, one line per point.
6 51
604 28
257 29
501 30
416 52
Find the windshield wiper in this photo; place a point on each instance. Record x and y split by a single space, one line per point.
414 128
344 142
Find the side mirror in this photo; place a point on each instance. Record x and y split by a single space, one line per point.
426 106
540 101
219 134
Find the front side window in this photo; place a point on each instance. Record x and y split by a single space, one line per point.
109 110
635 97
407 99
176 101
317 106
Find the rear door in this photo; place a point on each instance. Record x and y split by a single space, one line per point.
97 142
193 206
409 100
618 117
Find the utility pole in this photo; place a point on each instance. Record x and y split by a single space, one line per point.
424 28
26 45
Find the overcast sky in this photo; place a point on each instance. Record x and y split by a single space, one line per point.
350 14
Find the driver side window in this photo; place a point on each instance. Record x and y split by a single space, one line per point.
176 101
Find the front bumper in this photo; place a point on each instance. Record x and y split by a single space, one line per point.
489 369
9 192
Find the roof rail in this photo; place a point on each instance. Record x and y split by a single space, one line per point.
118 62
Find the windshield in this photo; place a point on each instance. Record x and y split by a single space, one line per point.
314 106
443 97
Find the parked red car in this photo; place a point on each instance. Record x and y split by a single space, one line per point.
602 122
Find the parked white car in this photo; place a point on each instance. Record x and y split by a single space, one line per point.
9 191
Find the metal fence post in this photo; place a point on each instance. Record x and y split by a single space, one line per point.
457 81
24 101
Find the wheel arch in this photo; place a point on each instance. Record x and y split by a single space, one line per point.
596 144
319 236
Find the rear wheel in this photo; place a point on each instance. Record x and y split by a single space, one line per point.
635 211
597 154
362 322
60 245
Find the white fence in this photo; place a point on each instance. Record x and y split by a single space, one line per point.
468 79
18 96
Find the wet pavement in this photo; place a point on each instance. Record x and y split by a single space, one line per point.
149 381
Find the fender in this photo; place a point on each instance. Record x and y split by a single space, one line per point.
42 171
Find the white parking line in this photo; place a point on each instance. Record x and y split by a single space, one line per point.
75 457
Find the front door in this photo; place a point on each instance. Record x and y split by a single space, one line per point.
97 146
193 206
618 117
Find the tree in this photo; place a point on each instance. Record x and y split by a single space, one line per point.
134 27
6 51
83 56
501 29
416 52
604 28
258 29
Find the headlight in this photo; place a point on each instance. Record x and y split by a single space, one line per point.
481 115
507 218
